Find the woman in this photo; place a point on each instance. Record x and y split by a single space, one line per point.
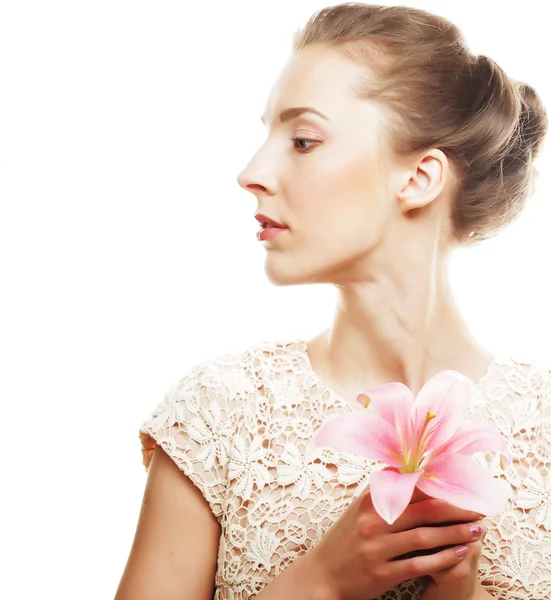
389 144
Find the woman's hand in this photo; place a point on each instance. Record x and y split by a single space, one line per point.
361 556
459 582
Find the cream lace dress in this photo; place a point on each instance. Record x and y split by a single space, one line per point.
239 425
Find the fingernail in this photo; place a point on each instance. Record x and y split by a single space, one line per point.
460 551
476 530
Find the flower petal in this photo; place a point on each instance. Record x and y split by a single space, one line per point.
392 402
474 437
446 395
461 481
363 434
391 492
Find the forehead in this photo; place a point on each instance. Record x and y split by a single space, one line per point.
316 76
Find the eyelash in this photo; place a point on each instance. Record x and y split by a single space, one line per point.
298 139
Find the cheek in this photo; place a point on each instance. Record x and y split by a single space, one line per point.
335 192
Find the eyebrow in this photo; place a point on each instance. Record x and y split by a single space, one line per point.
288 114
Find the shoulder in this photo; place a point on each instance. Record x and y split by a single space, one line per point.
197 420
238 372
516 388
209 398
520 375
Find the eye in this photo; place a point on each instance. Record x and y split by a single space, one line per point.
302 144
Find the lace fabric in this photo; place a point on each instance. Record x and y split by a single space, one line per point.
239 427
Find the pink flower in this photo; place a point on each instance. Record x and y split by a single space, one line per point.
426 444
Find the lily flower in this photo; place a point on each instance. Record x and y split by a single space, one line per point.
426 444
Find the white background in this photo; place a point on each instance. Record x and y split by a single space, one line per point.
128 252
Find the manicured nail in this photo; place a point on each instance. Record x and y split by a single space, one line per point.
460 551
476 530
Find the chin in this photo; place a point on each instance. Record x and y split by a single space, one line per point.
282 273
281 277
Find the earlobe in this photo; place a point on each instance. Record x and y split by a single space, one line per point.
426 182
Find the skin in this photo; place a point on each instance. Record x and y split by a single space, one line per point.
373 224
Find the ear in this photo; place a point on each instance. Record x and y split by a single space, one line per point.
426 182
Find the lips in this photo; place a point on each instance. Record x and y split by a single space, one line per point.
267 222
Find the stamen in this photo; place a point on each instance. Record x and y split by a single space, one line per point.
364 400
421 443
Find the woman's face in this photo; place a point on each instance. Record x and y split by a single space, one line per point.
330 185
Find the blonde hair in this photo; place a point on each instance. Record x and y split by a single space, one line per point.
441 95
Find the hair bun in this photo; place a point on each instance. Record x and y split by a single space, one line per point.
533 119
495 107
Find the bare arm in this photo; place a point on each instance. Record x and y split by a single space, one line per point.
175 547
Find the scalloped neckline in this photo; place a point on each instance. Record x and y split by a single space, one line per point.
302 347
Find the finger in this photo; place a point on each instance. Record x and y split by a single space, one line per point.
432 512
419 566
469 564
418 495
404 543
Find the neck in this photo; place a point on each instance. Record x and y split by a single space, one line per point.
400 326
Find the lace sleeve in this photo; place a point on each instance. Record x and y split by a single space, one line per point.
193 426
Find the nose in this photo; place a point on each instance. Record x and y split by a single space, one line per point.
257 177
